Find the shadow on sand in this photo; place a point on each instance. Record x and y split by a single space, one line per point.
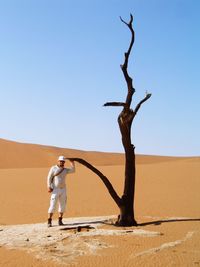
84 223
110 222
159 222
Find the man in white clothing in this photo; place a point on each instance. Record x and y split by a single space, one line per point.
57 187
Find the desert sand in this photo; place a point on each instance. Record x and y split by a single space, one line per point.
167 209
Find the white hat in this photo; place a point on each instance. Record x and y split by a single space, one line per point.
61 158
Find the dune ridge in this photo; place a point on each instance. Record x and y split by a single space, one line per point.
22 155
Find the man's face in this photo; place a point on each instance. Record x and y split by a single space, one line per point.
61 163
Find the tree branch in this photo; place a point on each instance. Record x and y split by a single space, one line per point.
124 67
132 38
104 179
115 104
141 102
131 20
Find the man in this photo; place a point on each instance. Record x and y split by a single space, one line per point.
57 187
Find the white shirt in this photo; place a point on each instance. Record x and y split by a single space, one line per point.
59 180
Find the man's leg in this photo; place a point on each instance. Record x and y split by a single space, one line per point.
49 222
61 214
62 204
50 215
53 202
60 222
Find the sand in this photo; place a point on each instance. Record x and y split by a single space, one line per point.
166 206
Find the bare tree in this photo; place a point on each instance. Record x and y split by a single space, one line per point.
125 119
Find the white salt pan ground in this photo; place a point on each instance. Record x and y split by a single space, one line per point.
63 244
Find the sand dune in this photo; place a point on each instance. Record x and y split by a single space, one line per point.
166 207
21 155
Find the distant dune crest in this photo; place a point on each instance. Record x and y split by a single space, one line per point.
22 155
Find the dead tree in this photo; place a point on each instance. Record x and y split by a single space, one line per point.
125 119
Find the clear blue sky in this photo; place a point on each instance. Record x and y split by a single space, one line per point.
60 62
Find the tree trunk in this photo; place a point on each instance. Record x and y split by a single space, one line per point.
125 119
126 216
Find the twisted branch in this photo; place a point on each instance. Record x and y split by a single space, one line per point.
104 179
132 40
141 102
124 67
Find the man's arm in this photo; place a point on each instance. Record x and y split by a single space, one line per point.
49 180
72 168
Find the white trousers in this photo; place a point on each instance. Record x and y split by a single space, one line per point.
58 196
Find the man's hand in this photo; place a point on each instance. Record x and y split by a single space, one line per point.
50 189
72 163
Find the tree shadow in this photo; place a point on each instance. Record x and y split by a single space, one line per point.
159 222
113 222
